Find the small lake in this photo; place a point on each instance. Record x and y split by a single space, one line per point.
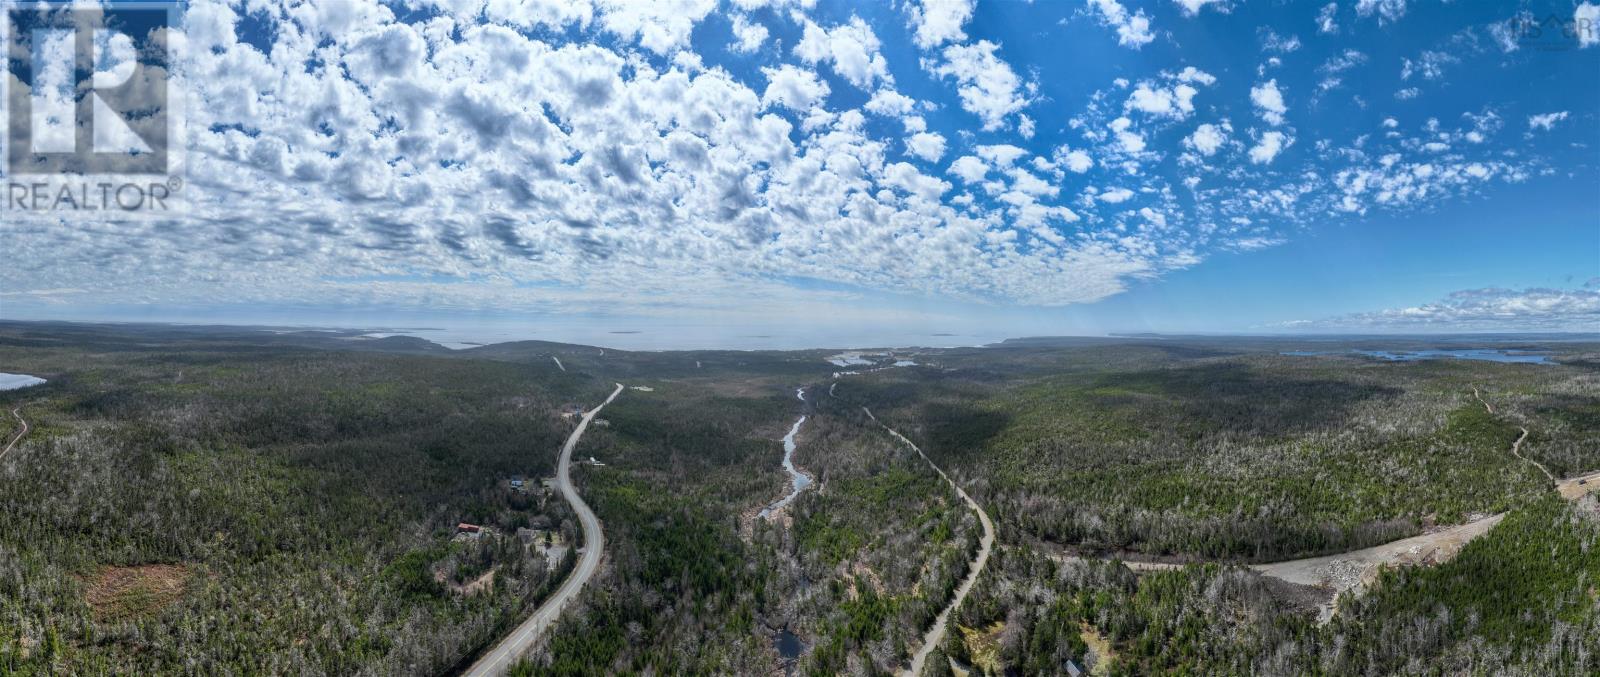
1482 354
788 645
15 381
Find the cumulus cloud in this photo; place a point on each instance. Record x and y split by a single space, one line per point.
1546 121
935 22
987 85
1387 11
926 145
1268 100
1193 7
1267 147
1272 42
1133 30
1327 19
1115 195
793 87
748 35
1208 138
661 26
1489 309
1077 161
851 48
492 146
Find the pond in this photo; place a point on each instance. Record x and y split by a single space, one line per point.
15 381
788 645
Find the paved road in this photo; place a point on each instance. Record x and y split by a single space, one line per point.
17 413
498 659
935 634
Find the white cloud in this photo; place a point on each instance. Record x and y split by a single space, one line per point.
661 26
793 87
1133 30
1272 42
1193 7
1077 161
1327 19
888 102
1268 146
1268 100
1115 195
1407 94
1489 309
1387 10
571 145
1129 141
1192 74
969 169
851 48
1546 121
1152 101
1586 17
926 145
1207 138
1430 65
987 86
936 22
748 35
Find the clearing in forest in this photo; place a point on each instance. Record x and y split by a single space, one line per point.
117 593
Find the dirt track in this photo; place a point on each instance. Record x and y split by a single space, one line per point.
17 412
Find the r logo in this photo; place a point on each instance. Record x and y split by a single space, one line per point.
87 89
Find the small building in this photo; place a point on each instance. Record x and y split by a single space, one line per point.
594 462
517 482
1073 670
602 423
470 529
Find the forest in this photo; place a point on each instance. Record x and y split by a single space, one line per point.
220 500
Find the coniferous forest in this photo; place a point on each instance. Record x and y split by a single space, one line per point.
227 501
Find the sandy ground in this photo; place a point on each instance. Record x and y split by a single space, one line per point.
1354 570
1575 488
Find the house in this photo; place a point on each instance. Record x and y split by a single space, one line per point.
517 483
472 530
1073 670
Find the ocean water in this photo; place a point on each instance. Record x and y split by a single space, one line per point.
1483 354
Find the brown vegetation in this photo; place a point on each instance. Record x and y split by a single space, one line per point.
118 593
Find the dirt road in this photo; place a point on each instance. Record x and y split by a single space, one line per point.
1516 447
935 634
17 412
498 659
1355 569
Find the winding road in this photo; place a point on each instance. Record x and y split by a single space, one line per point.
497 660
935 634
17 412
1516 447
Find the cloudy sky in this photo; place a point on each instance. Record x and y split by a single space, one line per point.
825 171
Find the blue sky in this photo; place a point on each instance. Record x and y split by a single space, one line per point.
863 172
